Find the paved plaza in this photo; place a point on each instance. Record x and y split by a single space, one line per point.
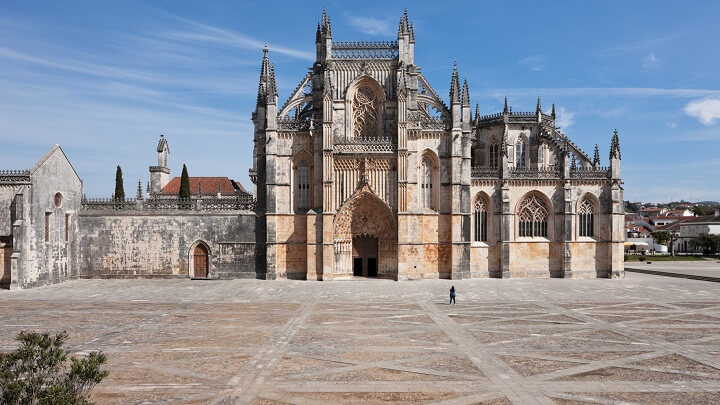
644 339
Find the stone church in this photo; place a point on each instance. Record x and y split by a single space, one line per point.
365 171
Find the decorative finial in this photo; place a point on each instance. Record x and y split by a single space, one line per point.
538 108
466 93
553 111
596 156
505 108
199 189
139 191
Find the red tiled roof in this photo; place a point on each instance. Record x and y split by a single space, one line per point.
209 186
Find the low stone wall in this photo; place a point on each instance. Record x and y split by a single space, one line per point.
138 244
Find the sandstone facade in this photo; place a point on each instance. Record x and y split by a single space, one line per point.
366 171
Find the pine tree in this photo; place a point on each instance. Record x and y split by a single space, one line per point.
184 184
119 189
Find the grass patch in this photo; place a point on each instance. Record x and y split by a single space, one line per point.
664 258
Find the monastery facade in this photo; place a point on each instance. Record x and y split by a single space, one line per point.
365 171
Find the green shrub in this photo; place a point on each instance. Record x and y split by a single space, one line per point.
37 372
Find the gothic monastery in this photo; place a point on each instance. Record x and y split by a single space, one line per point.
365 171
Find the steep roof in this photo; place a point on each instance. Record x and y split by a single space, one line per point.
704 219
208 185
52 150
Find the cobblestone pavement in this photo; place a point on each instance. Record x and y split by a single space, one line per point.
644 339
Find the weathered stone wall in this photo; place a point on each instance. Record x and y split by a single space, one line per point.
160 244
45 247
7 194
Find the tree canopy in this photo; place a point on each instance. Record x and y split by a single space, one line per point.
119 188
184 184
37 372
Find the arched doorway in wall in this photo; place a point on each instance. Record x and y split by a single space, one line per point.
199 261
365 237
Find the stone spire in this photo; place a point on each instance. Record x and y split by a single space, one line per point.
454 86
615 146
573 165
139 195
553 111
538 109
465 94
405 27
505 108
596 157
267 88
199 189
477 113
324 26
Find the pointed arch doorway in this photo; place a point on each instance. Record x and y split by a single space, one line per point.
365 237
200 259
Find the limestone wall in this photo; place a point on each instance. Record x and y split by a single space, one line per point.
45 242
159 244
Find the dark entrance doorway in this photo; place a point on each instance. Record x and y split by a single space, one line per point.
365 256
200 261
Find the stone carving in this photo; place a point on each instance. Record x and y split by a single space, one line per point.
365 114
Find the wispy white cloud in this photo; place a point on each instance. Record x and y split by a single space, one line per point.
706 110
371 26
535 63
650 61
207 33
564 118
672 125
605 91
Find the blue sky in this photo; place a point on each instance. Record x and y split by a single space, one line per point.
105 79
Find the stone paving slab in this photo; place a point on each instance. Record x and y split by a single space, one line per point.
644 339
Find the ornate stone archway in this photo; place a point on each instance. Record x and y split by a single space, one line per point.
365 215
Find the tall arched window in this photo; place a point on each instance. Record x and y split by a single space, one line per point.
480 219
521 153
302 185
365 113
533 217
426 182
586 217
494 155
541 155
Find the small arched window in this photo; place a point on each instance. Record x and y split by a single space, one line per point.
521 153
302 185
480 219
533 217
493 155
426 182
586 217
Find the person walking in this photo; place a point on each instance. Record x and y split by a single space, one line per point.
452 295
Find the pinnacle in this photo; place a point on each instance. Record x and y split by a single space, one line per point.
539 108
505 108
466 93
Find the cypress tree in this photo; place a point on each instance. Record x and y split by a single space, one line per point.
184 184
119 189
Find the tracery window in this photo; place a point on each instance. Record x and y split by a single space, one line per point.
541 155
586 217
302 176
426 183
533 217
365 114
521 153
480 220
493 155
